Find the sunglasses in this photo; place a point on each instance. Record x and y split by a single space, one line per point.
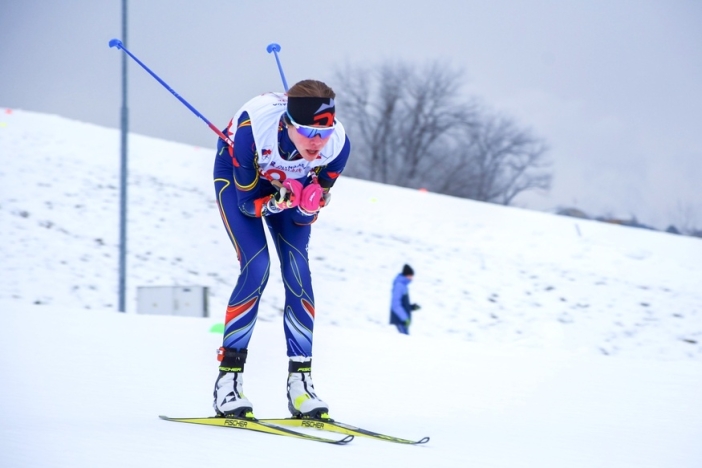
311 132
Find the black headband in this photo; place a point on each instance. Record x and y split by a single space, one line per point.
312 110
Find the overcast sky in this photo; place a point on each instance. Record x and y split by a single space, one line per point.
614 86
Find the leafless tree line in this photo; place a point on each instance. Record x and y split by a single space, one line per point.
410 126
687 219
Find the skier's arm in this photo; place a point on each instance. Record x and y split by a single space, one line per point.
326 177
252 192
328 174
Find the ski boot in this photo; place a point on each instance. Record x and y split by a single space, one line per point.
302 399
229 399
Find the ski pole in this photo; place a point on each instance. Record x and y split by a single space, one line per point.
118 44
275 48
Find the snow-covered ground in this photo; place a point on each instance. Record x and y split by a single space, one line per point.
542 341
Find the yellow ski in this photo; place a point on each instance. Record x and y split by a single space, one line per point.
258 426
330 425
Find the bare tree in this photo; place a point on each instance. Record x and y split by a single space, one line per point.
686 218
400 117
495 161
411 127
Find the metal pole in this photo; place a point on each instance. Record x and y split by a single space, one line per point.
123 174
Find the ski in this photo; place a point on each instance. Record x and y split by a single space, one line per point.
258 426
341 428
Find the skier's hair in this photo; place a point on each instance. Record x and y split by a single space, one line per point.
311 88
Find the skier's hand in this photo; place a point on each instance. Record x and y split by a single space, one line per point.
287 196
415 307
312 198
408 322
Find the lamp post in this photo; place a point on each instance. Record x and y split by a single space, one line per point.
123 174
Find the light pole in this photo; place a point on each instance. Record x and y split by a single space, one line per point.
123 174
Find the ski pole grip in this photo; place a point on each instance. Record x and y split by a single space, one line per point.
271 47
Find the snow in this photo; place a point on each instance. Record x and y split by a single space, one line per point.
543 341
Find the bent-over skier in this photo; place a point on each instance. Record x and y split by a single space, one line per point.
288 151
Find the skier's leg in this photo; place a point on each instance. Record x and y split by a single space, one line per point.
249 240
291 241
248 237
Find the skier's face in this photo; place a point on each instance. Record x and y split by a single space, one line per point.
308 148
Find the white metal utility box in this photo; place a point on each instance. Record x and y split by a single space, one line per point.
187 301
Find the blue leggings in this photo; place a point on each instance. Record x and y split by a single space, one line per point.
248 237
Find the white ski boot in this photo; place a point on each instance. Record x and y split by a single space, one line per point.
229 399
302 399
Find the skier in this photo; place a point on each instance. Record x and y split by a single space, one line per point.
400 307
288 151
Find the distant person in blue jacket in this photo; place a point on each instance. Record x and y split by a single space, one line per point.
400 307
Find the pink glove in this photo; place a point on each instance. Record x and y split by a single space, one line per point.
295 191
311 199
288 196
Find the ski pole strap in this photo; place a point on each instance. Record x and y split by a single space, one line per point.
231 360
300 366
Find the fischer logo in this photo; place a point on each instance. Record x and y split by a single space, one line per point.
235 423
313 424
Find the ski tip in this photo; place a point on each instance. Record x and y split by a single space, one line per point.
345 440
116 43
423 440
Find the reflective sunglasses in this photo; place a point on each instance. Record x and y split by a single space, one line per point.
311 132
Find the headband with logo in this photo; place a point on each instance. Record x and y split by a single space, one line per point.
312 111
